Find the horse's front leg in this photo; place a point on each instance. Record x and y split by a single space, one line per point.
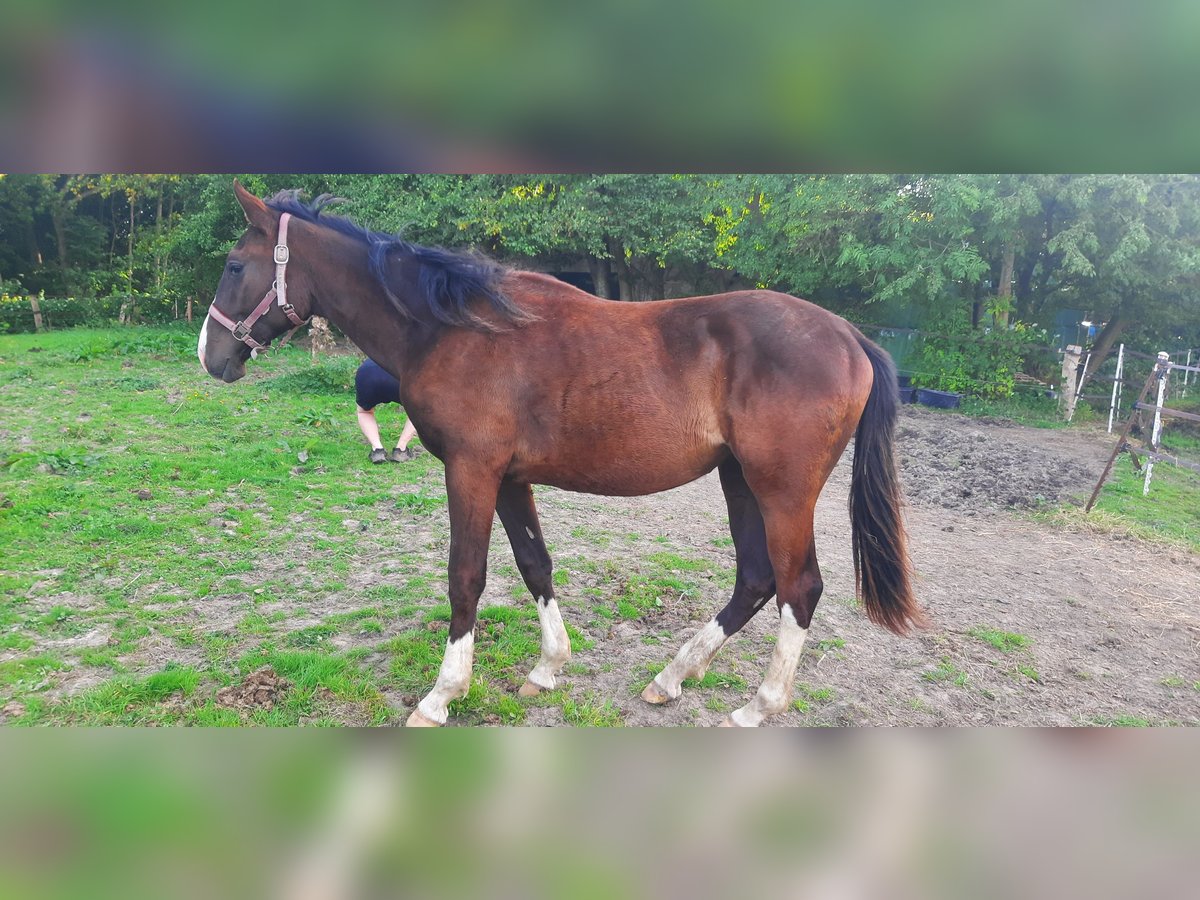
471 496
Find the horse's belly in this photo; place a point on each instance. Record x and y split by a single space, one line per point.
630 471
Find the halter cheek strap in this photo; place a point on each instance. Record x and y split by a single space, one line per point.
277 294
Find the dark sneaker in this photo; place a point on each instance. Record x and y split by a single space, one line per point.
399 455
377 455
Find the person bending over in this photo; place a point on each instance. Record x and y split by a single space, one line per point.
373 386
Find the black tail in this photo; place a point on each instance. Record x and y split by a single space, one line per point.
881 568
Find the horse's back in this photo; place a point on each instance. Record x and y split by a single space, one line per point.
640 397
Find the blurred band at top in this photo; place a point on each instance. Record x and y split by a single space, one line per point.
474 87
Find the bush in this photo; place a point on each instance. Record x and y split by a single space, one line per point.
333 376
16 311
980 364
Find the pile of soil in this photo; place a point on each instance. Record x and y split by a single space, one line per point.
259 690
960 464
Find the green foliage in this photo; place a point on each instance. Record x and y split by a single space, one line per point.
312 417
16 312
978 364
893 249
332 376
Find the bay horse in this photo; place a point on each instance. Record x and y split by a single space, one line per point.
516 378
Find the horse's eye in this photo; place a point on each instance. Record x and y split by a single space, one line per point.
235 268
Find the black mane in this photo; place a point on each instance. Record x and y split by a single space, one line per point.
447 279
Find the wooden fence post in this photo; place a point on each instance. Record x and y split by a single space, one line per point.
37 313
189 311
1070 379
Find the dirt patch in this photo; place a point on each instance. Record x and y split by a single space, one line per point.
952 462
14 709
259 690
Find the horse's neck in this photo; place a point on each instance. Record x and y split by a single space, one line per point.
350 297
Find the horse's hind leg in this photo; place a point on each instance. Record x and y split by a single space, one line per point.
519 517
754 586
798 578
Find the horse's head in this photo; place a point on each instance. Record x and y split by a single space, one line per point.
250 308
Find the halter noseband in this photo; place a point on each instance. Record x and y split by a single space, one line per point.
278 293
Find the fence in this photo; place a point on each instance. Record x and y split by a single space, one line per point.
1159 379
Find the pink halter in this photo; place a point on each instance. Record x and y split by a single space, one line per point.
278 292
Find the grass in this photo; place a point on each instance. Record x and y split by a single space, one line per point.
1008 644
1024 408
946 671
827 644
1003 641
1122 721
222 528
808 696
1168 515
165 535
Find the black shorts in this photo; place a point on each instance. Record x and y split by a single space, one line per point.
373 386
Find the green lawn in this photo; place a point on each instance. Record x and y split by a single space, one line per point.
1170 512
164 535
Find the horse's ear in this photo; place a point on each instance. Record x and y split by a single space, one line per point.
258 213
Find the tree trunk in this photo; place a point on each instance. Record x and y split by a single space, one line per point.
125 316
601 270
158 260
1105 341
656 282
58 216
621 268
132 208
35 252
1004 288
112 244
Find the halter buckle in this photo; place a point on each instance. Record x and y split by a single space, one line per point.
282 254
241 331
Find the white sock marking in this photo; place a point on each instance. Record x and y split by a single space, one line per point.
693 658
556 645
453 681
776 690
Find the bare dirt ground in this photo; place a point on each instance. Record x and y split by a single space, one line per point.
1112 624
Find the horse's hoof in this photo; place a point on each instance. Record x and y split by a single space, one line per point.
654 694
419 720
728 723
529 689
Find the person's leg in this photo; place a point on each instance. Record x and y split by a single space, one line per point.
370 429
402 453
409 432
